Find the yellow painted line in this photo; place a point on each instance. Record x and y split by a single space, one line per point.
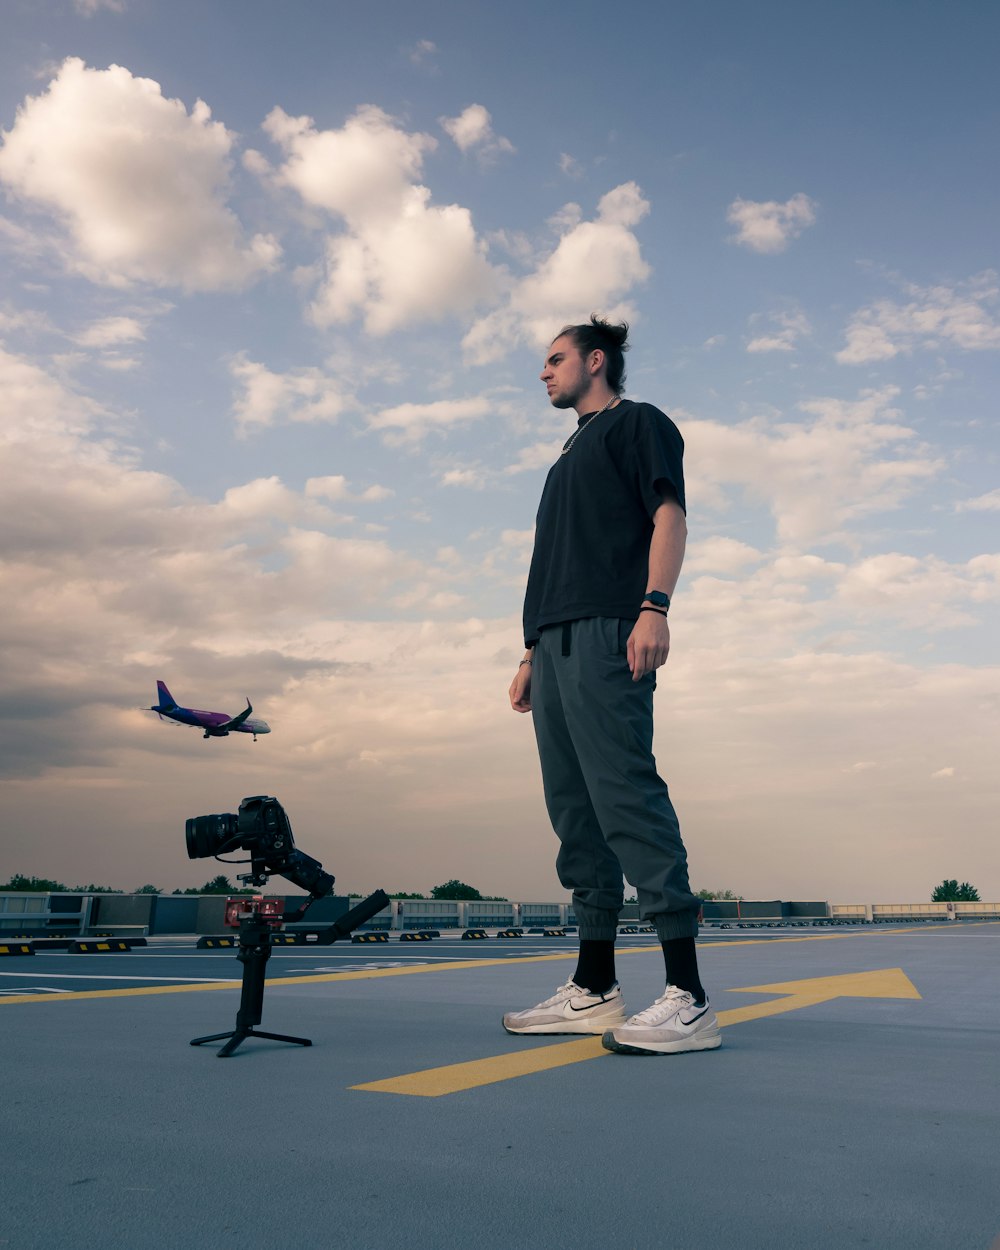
455 1077
371 974
433 1082
375 973
67 996
360 974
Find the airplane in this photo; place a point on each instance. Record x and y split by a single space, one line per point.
215 724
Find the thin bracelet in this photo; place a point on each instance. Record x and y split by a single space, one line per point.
658 611
524 662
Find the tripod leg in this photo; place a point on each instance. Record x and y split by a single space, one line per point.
235 1039
239 1036
213 1037
282 1037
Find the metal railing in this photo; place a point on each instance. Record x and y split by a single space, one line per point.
44 915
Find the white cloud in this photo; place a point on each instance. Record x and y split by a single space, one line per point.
788 328
139 183
471 476
769 226
402 260
300 395
368 166
570 166
110 332
473 130
539 455
87 8
24 320
844 462
720 555
962 316
336 487
408 423
927 593
422 51
990 502
375 494
593 266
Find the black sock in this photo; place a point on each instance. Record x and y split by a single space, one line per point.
595 969
682 966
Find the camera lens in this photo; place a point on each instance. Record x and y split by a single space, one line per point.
208 835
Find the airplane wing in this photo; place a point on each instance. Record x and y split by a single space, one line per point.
235 722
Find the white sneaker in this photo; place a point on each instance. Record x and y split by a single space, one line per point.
571 1009
674 1023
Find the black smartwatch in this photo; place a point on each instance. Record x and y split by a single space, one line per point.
658 599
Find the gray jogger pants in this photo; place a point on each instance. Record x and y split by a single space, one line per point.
608 805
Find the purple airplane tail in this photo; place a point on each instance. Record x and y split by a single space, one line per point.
166 698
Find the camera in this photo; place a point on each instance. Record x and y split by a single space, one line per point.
260 827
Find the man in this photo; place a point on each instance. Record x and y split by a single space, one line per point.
609 543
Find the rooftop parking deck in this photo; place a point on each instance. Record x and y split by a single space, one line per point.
854 1102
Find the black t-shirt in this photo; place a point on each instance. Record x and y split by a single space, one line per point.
594 523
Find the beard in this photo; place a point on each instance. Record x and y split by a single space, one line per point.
571 395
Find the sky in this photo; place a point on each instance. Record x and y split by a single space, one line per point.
275 287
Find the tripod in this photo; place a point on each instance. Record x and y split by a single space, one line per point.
253 954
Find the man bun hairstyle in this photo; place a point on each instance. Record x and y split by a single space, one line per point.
601 335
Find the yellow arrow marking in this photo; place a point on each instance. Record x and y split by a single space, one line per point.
433 1082
883 983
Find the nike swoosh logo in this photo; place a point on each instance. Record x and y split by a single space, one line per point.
587 1008
695 1019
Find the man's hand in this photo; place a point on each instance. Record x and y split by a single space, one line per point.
520 689
648 644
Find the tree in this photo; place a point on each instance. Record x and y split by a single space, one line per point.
403 894
149 889
949 891
42 885
455 890
35 885
719 896
218 885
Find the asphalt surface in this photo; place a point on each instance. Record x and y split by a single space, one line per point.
855 1100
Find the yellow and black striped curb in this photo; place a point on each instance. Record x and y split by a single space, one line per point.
287 939
510 933
414 937
211 943
553 933
109 946
473 935
16 948
369 937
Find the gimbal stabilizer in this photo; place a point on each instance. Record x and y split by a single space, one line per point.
255 951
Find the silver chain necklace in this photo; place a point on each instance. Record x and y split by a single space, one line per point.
580 428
